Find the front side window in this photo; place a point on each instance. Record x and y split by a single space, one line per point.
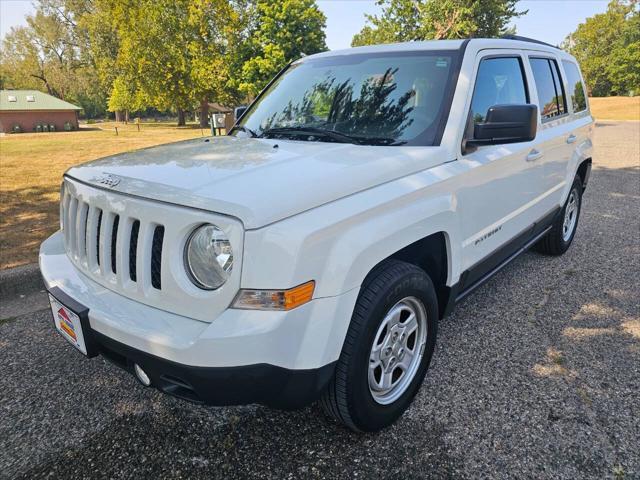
499 81
576 88
551 99
381 99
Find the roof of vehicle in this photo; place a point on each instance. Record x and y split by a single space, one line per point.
513 42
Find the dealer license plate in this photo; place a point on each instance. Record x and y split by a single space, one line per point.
68 324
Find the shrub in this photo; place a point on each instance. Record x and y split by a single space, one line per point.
16 128
68 127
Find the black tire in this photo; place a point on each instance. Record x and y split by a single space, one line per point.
554 243
348 398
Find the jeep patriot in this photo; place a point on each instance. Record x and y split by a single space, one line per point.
310 254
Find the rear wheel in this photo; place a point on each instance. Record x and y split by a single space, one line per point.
559 238
387 350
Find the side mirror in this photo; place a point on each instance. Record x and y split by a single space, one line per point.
239 111
506 124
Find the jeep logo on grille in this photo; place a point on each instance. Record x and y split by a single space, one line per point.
107 179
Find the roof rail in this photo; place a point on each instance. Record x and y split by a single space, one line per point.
527 39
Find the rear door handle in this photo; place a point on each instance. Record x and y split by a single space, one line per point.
534 155
571 138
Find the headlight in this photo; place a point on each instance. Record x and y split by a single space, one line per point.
208 257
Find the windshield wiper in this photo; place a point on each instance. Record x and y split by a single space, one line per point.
245 129
338 136
308 130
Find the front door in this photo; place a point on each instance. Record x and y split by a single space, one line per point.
499 191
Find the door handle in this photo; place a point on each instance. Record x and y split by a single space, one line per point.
571 138
534 155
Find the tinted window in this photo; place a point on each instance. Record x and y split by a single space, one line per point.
576 88
499 81
381 99
550 89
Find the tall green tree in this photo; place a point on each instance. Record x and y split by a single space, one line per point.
217 28
279 32
607 46
51 53
128 55
408 20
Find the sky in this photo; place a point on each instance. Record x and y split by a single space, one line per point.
547 20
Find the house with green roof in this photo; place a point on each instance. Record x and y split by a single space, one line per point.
31 111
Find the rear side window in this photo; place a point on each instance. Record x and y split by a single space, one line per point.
551 99
576 88
500 81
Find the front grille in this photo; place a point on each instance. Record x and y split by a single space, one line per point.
92 233
134 247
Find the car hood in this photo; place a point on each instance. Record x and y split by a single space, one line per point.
259 181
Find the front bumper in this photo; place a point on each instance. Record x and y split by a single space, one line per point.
280 359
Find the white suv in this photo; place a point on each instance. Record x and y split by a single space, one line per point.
310 254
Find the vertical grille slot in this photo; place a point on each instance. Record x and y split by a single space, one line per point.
65 211
98 236
71 226
156 257
114 238
133 249
81 229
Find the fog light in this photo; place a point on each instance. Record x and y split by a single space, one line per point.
142 375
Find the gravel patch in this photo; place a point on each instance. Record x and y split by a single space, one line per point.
536 375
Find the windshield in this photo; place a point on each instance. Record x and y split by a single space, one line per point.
378 99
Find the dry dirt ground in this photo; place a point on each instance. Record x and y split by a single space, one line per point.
536 375
31 168
618 108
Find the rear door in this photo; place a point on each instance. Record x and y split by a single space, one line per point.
554 140
498 191
579 137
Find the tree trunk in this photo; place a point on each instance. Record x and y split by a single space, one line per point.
126 116
118 116
181 118
204 113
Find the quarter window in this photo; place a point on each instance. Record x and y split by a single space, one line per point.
500 81
576 88
551 99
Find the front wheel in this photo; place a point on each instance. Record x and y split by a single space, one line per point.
387 350
559 238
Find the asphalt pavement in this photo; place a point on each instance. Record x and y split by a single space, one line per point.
536 375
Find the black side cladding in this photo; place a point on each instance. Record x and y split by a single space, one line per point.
133 249
156 257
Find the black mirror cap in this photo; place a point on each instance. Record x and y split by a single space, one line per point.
506 124
239 111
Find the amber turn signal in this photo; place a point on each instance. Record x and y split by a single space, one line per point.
275 299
